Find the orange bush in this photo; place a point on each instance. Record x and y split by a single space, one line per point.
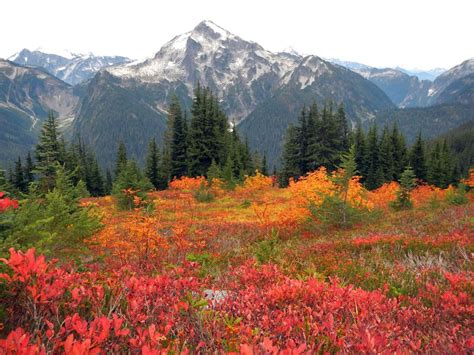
187 183
386 193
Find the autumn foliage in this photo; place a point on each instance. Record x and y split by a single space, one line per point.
6 203
251 272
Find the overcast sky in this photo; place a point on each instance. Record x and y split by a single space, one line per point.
409 33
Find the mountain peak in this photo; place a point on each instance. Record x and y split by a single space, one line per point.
210 28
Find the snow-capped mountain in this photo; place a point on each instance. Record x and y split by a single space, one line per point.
27 95
240 71
243 74
69 67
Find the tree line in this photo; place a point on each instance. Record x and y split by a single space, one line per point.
321 138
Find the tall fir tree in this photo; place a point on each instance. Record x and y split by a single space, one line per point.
386 156
264 168
360 147
399 150
19 180
121 160
375 176
152 169
418 159
28 169
291 151
48 153
178 149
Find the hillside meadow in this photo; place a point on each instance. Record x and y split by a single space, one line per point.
201 268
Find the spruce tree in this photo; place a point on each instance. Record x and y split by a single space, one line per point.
48 153
108 182
178 149
121 160
360 147
418 160
343 128
407 182
291 166
152 171
263 168
375 176
386 156
399 150
28 170
19 180
214 172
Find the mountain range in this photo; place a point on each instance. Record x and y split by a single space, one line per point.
69 67
110 99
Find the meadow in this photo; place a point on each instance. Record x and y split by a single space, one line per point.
201 268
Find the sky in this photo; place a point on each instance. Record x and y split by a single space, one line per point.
421 34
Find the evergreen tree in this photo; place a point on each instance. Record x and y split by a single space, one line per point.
19 180
178 149
360 147
49 152
418 160
440 168
108 182
130 183
214 172
407 182
95 181
153 164
121 160
28 170
228 173
314 142
375 176
343 128
399 152
386 156
264 169
291 166
208 133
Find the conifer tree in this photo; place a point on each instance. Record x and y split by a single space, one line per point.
360 147
264 169
407 182
214 172
291 166
108 182
19 180
28 170
178 149
399 152
386 156
49 152
375 176
152 171
344 129
418 160
121 160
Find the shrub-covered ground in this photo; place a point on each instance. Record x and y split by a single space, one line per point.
258 269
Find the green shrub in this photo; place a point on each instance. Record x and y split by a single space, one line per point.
335 212
457 197
130 187
407 183
52 223
203 194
